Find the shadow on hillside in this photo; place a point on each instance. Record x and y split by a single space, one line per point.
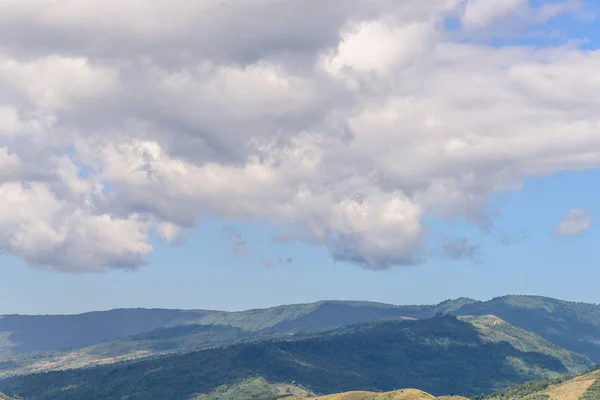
439 355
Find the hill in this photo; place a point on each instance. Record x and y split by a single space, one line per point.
402 394
439 355
583 387
574 326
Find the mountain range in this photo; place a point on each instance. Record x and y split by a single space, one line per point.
459 346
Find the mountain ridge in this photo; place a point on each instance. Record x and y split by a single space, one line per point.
440 355
45 342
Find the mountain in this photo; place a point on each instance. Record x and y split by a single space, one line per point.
40 333
40 343
440 355
29 333
574 326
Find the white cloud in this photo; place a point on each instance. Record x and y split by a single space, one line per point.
481 13
171 233
47 231
156 113
576 222
54 81
376 47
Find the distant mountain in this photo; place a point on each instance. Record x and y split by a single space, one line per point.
41 343
27 333
181 338
440 355
43 333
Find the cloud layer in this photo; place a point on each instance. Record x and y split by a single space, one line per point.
346 127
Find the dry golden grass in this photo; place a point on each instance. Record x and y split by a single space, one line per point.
451 398
573 389
569 390
405 394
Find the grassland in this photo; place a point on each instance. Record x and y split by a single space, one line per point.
583 387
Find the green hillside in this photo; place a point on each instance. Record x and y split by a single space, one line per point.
182 338
583 387
440 355
42 333
574 326
41 343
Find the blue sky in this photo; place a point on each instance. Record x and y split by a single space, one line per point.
204 273
158 169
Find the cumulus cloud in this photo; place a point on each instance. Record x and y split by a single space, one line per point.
574 223
155 113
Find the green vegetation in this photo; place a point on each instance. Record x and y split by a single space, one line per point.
495 330
593 392
255 388
42 343
582 387
5 397
527 389
440 355
574 326
178 339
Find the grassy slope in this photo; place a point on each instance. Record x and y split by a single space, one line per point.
255 388
496 330
439 355
574 326
582 387
402 394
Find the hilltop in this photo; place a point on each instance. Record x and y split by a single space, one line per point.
439 355
582 387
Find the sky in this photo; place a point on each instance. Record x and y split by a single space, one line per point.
234 155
